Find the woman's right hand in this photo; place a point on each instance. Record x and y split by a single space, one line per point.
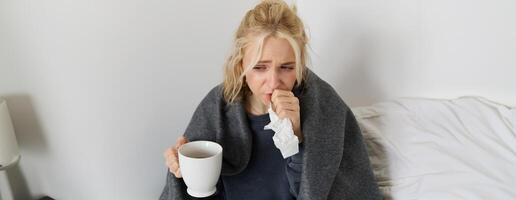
172 158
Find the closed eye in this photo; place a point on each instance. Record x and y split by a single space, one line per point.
260 67
287 67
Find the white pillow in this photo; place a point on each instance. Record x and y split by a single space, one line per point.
441 149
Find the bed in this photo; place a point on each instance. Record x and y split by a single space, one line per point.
420 148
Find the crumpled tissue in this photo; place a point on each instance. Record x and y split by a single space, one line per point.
284 138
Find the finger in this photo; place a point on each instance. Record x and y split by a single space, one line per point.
180 141
167 152
175 172
175 169
281 93
283 100
173 151
287 114
173 157
178 172
287 107
286 100
174 165
170 166
170 160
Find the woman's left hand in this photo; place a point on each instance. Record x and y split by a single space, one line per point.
286 105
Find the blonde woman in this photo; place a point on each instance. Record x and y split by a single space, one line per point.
267 67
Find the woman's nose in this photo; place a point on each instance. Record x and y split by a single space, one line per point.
273 80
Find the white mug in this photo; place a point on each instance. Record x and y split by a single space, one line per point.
200 163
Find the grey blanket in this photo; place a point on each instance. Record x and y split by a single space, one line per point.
335 161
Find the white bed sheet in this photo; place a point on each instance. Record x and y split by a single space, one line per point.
432 149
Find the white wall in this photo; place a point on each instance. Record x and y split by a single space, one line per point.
373 50
98 89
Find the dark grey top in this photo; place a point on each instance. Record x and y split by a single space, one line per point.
267 174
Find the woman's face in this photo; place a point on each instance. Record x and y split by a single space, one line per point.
274 70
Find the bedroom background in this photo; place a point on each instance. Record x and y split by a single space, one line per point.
98 89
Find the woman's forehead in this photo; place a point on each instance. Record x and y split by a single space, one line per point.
274 48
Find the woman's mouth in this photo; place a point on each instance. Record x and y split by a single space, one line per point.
267 98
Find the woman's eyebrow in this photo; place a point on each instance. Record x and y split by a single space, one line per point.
264 61
268 61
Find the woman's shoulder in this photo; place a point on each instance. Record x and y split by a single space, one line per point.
321 91
216 90
215 94
317 85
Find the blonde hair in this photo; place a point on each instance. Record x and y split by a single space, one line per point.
269 18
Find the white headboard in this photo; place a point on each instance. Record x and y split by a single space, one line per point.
376 50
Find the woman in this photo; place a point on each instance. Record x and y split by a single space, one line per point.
267 68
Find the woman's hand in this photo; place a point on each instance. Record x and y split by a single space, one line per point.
286 105
172 158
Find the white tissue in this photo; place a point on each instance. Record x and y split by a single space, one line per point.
284 138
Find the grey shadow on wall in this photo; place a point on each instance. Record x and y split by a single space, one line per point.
31 141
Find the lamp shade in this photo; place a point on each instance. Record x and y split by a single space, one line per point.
8 146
